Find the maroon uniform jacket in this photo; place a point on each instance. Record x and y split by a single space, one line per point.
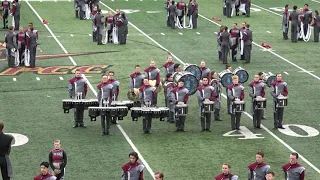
74 79
44 177
186 98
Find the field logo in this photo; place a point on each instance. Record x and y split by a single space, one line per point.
57 70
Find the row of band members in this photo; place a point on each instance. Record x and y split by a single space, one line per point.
179 95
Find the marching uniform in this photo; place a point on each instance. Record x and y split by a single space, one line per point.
307 19
226 177
257 171
248 6
179 94
132 171
115 94
293 171
115 28
5 163
82 9
105 98
242 30
228 8
256 89
94 3
168 87
181 11
294 25
98 22
193 13
147 95
153 74
172 15
21 39
217 103
122 25
247 41
31 46
109 26
235 91
78 88
11 41
219 44
225 44
94 27
205 72
45 177
6 9
58 161
16 14
316 28
166 6
224 10
235 34
168 68
277 88
285 24
205 92
136 82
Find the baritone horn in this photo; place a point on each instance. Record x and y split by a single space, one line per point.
153 84
134 97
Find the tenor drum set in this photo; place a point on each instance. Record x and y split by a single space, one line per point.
269 78
161 112
226 76
190 81
68 104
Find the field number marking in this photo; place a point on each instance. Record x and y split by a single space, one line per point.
310 131
244 131
19 139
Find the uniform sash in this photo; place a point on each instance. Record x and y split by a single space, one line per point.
13 24
115 35
27 57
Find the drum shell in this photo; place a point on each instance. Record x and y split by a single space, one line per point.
208 108
282 102
260 104
164 112
66 106
122 112
181 110
145 111
93 113
156 113
135 112
239 107
113 112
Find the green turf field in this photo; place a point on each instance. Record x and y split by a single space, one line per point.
31 102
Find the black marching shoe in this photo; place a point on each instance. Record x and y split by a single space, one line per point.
83 126
281 127
75 126
203 130
208 130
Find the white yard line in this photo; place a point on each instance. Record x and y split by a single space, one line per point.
315 1
304 71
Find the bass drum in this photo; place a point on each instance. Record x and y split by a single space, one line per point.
242 74
190 81
194 69
226 78
269 79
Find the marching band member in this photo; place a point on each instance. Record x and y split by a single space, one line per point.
226 175
76 7
44 175
158 176
285 22
229 69
235 93
31 46
78 88
116 16
21 39
270 175
115 91
176 68
132 170
215 83
166 6
168 66
5 4
122 25
219 42
228 8
94 3
181 11
172 15
241 36
82 8
205 93
147 95
235 35
58 160
5 149
205 72
247 8
153 74
293 170
179 95
15 13
105 94
261 76
247 39
225 45
307 19
224 10
136 82
256 90
94 27
258 170
10 40
294 18
109 25
316 26
193 13
98 22
168 86
278 88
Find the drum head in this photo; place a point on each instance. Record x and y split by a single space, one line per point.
191 83
226 79
195 70
270 79
242 74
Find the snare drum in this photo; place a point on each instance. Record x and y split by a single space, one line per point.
164 113
94 112
122 112
155 112
181 109
129 104
208 107
67 104
145 111
135 112
238 106
260 103
282 101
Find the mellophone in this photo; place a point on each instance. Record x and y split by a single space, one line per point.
161 112
68 104
116 109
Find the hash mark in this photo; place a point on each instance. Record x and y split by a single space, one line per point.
286 73
38 79
268 32
61 78
180 33
14 79
162 34
90 34
71 35
197 32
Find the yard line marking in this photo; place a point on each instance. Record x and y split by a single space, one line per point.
304 71
61 78
216 32
93 89
38 79
268 32
162 34
286 73
315 1
197 32
180 33
126 0
55 0
71 35
90 34
284 59
266 129
14 79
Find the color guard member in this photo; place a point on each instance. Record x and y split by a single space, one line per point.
226 175
293 170
258 169
235 93
256 90
58 160
132 170
78 88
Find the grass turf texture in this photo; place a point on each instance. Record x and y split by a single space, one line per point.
191 155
